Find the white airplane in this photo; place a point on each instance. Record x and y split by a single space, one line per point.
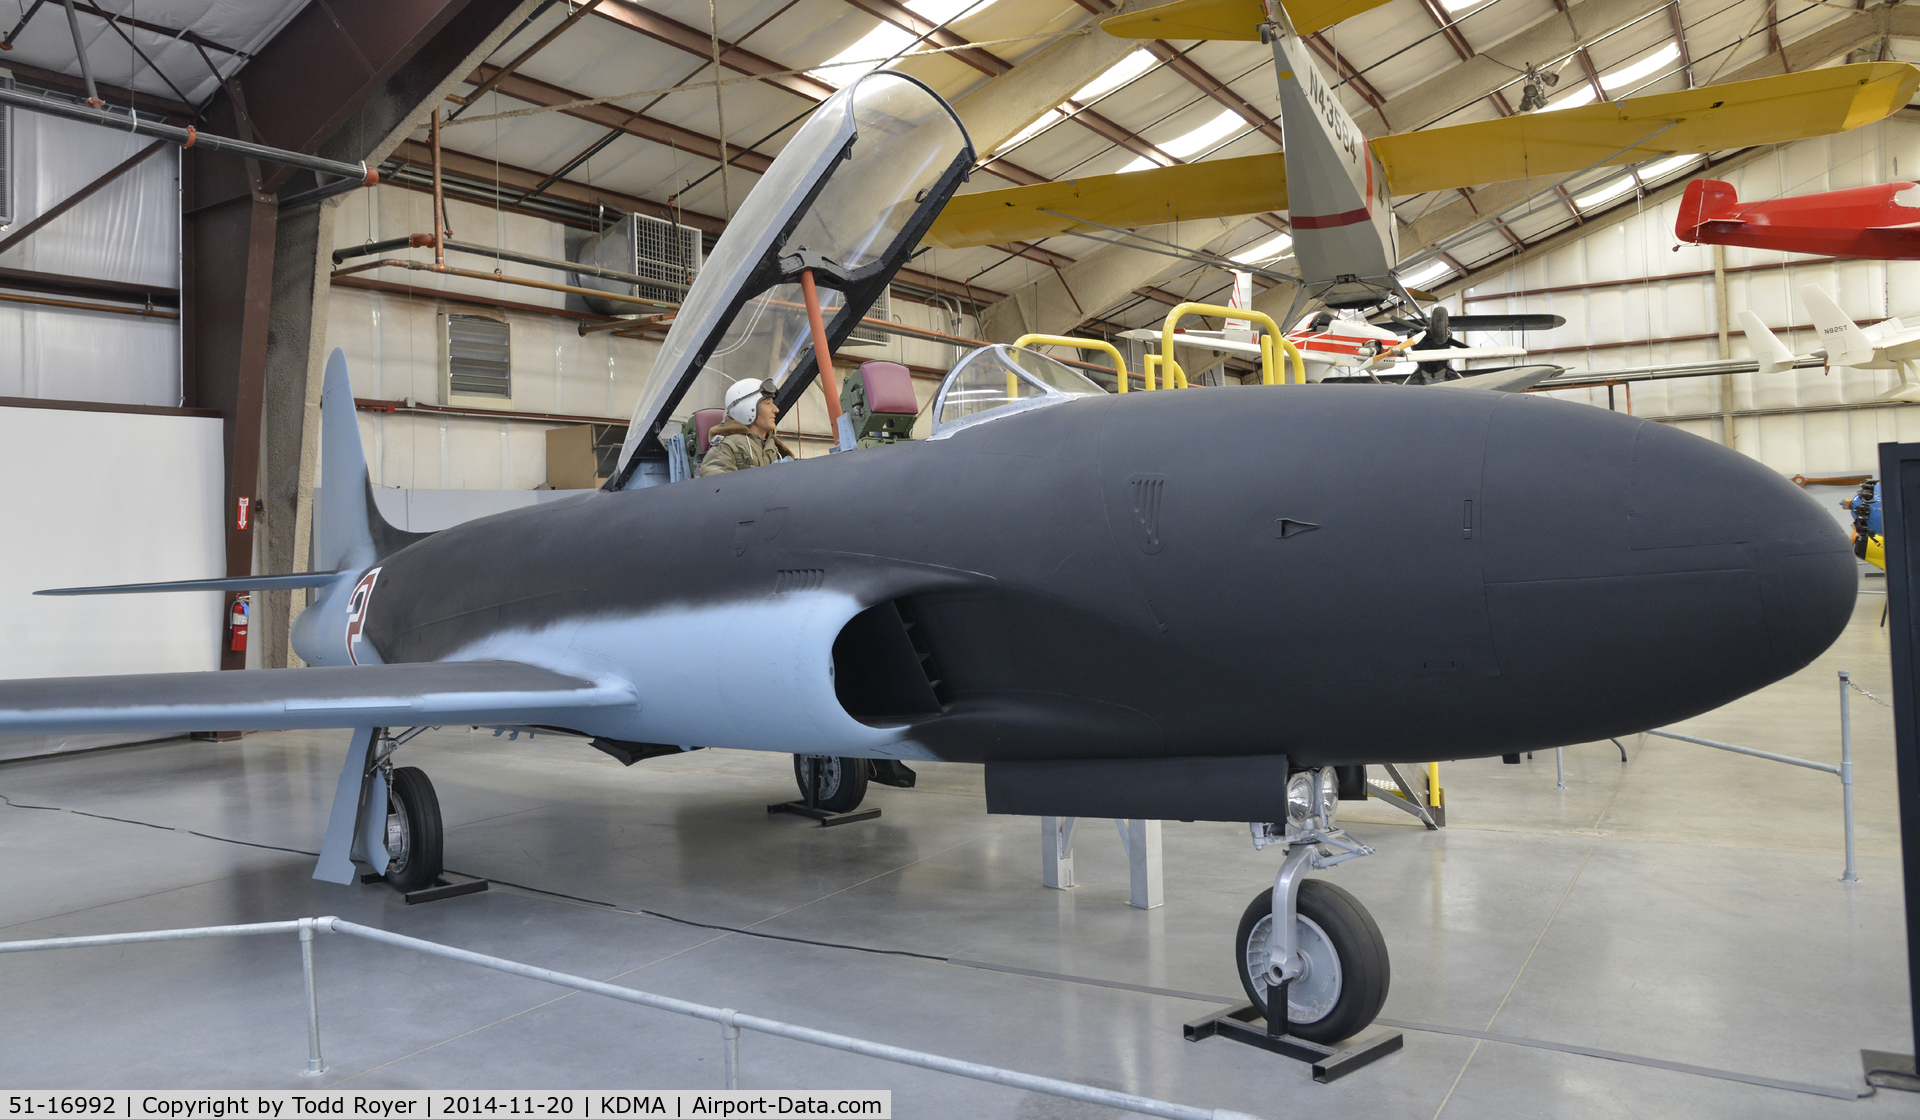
1889 344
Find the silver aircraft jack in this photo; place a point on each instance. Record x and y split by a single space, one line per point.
1318 925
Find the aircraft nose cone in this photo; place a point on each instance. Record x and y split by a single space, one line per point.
1637 574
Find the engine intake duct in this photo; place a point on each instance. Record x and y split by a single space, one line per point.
1162 789
881 673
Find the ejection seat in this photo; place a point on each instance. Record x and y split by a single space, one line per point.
881 403
699 432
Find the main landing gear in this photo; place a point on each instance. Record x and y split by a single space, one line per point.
388 818
831 788
1312 960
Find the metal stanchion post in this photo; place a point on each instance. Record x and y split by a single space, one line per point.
1846 770
1559 768
730 1041
314 1065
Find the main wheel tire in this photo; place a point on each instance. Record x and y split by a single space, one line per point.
843 781
1347 973
413 830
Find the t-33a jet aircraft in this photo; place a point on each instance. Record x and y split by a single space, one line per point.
1149 605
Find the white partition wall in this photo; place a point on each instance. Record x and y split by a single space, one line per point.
106 497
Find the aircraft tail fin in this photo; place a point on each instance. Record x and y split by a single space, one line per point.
1768 350
348 527
1705 200
1843 338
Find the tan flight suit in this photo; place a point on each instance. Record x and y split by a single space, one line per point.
732 447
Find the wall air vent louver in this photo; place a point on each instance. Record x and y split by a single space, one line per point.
478 368
864 335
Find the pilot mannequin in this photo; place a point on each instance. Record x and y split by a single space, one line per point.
745 438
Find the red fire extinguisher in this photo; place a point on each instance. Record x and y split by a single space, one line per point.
237 622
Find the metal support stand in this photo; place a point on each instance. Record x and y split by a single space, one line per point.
1559 768
1407 798
1146 879
1056 852
1846 772
1146 885
1328 1063
810 806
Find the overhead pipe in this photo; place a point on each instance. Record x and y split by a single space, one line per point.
425 241
188 137
449 270
80 52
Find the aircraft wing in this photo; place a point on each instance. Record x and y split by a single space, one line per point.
440 692
1708 119
1199 340
1184 192
1229 19
1515 380
1463 353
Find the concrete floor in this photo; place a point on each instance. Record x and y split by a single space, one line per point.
1684 906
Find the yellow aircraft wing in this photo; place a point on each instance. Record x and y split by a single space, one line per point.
1712 118
1184 192
1228 19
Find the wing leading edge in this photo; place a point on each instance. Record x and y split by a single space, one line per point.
260 699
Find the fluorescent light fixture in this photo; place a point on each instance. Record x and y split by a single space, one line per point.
1427 274
1666 167
844 68
1608 191
1115 76
1266 250
1652 64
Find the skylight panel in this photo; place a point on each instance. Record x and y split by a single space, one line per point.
1582 94
1219 128
1115 76
1646 67
1668 166
1265 251
1422 277
1143 163
887 40
1610 190
1047 120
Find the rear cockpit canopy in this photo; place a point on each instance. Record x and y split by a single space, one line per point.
847 199
996 381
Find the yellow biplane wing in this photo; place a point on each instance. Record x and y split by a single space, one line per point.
1184 192
1553 142
1712 118
1228 19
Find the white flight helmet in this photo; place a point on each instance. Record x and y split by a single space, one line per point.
743 399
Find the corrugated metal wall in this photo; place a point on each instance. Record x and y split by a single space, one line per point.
1665 316
129 230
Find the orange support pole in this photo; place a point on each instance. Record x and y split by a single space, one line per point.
829 385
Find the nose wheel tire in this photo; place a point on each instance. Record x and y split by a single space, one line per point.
413 830
843 781
1346 974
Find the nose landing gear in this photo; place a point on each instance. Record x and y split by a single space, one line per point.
1312 960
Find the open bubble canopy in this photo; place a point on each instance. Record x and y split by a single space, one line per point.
849 197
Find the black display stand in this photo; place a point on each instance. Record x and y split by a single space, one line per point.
440 889
1245 1024
810 806
1900 489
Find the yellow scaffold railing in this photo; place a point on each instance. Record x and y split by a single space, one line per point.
1273 340
1119 363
